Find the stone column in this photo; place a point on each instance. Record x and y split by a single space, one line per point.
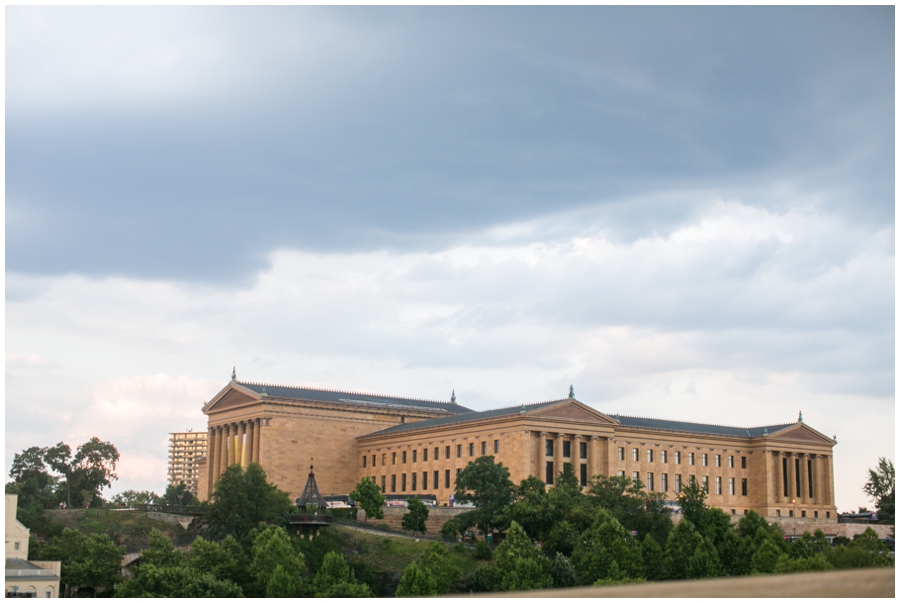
228 461
257 440
221 457
250 433
557 455
241 448
210 460
541 456
593 457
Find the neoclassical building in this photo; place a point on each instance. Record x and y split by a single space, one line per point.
418 446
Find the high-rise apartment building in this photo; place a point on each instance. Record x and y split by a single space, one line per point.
186 448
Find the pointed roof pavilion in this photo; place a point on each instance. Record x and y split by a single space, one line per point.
310 496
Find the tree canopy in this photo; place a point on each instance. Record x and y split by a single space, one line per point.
486 484
242 499
880 487
368 495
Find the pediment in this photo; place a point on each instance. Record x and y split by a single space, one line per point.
233 395
802 433
573 410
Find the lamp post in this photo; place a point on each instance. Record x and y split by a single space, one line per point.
794 513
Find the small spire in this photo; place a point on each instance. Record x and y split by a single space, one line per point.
453 397
765 431
800 418
571 393
523 411
233 374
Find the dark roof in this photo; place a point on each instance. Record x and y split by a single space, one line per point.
339 397
35 572
463 418
666 425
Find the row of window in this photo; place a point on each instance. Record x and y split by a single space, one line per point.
650 482
691 457
437 450
413 481
566 449
803 513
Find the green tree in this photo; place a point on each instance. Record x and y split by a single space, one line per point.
683 542
88 562
880 487
182 582
178 495
334 579
415 516
242 499
563 572
710 522
272 548
521 566
486 578
225 560
368 495
705 562
767 557
161 552
85 474
445 570
483 551
815 563
632 506
654 558
417 582
486 484
283 583
531 508
604 543
130 498
527 574
33 483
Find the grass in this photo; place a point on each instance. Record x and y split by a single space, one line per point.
128 528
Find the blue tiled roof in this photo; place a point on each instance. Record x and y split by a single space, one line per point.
339 397
666 425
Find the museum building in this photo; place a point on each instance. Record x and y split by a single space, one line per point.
414 446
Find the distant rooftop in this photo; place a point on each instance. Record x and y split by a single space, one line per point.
343 397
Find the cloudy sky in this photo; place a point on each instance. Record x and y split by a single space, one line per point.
686 213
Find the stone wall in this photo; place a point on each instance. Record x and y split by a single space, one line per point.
437 516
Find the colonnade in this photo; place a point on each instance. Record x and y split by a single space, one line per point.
235 443
594 461
801 478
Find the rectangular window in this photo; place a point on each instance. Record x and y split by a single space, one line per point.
621 454
446 478
436 482
635 455
731 486
584 475
393 483
403 483
731 461
383 489
677 482
414 455
483 448
802 513
791 513
777 512
663 456
704 458
816 514
424 480
743 462
677 457
414 481
718 460
718 485
496 446
471 448
447 452
797 488
690 458
437 455
664 482
364 461
809 472
827 514
567 449
383 459
458 471
744 486
548 477
424 455
459 451
784 476
635 475
373 460
582 450
548 448
403 455
393 458
650 482
621 473
16 546
706 483
649 456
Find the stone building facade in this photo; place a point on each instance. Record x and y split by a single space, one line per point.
418 446
186 448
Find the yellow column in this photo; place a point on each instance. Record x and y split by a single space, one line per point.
557 455
251 432
242 432
222 461
210 460
257 441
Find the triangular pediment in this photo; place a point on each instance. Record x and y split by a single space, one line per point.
232 395
802 432
573 410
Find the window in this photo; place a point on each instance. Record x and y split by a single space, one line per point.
733 512
437 456
777 512
744 486
827 514
393 483
548 448
424 455
403 482
809 472
414 455
393 458
677 457
496 446
816 514
635 455
436 482
731 486
621 454
364 461
802 513
791 513
424 480
677 482
690 458
706 483
784 478
548 477
635 475
664 482
459 451
471 448
650 482
797 488
447 452
704 459
383 489
718 485
403 456
414 481
731 461
16 546
373 460
663 456
743 462
621 473
567 449
458 471
649 456
384 459
582 450
483 448
447 477
584 475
